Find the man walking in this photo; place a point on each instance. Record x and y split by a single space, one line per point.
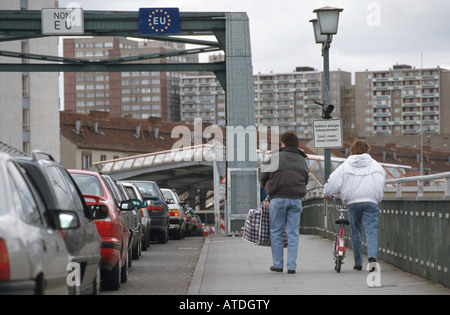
286 186
360 181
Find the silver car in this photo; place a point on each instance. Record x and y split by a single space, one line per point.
33 255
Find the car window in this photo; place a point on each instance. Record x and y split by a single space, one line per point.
147 190
88 184
62 193
167 195
24 202
113 189
130 192
78 203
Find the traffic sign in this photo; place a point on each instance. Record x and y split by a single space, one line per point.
62 21
327 133
159 20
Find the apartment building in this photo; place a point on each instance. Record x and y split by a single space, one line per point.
140 94
281 99
29 101
400 100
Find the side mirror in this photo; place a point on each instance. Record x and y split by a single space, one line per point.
66 220
127 206
98 212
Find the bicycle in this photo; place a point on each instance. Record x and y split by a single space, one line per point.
339 244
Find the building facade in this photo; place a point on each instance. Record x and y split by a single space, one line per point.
281 99
140 94
29 101
400 100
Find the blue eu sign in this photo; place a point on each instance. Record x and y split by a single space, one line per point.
159 21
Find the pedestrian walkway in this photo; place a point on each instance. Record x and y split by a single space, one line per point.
231 265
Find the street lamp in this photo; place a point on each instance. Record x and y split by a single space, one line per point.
325 26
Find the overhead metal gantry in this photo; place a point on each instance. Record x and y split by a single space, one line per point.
21 25
232 34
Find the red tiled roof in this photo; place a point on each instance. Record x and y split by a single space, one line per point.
118 133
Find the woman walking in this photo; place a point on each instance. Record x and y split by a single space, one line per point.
360 181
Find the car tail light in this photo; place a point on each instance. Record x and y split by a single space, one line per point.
105 224
4 262
174 213
187 218
155 209
141 211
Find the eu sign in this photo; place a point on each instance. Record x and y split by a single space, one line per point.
159 21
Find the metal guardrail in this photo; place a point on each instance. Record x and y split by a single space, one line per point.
438 184
414 186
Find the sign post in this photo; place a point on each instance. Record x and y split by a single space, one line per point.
62 21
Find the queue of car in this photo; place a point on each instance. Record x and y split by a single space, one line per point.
77 232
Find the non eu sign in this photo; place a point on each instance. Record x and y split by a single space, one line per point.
62 21
327 133
159 20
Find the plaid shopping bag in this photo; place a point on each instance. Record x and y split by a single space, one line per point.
257 227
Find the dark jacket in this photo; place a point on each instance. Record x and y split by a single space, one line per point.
289 180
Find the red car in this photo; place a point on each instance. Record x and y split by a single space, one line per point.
112 227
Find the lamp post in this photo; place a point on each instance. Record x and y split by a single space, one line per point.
325 26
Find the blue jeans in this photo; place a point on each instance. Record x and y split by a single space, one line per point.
285 212
364 214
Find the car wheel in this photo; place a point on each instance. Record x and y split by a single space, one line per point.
111 279
144 243
124 270
136 251
164 236
96 284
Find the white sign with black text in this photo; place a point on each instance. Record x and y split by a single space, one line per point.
62 21
327 133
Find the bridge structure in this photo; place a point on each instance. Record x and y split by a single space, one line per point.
414 228
230 33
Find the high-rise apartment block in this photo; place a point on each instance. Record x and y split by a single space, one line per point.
139 94
29 101
281 99
400 100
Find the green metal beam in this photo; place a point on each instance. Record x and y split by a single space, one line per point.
108 23
172 67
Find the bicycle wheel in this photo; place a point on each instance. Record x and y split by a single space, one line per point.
338 264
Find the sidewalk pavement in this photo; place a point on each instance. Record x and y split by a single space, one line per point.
231 265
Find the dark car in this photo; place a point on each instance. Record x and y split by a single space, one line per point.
158 211
136 197
60 191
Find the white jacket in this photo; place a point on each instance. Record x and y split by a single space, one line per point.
359 179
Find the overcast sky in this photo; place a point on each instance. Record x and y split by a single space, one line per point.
373 35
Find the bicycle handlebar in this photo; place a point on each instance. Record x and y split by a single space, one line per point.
335 205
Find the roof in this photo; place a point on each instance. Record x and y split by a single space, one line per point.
434 161
100 131
121 133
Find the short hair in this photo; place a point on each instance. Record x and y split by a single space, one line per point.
290 139
359 147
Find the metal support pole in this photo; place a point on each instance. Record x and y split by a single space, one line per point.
326 101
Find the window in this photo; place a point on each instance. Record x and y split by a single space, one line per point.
88 184
62 193
25 204
86 161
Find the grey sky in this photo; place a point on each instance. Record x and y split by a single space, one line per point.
372 35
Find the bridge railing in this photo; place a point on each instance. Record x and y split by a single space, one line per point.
436 184
413 229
